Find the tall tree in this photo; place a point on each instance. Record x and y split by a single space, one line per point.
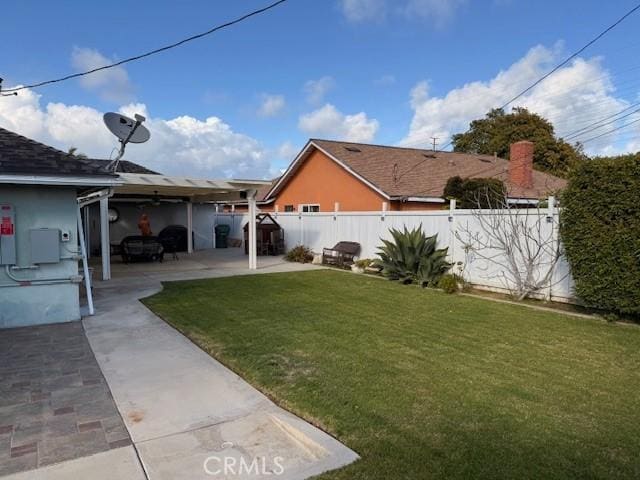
73 151
498 130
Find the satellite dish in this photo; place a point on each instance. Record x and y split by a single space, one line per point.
127 130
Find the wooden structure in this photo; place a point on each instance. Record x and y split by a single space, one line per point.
269 236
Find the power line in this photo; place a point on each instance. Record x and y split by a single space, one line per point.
602 105
574 55
611 131
567 60
597 125
152 52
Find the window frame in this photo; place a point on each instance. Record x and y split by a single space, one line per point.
311 208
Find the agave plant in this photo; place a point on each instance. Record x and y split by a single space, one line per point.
412 257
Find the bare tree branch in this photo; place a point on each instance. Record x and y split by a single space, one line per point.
519 242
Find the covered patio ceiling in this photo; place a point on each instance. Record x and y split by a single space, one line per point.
197 190
190 190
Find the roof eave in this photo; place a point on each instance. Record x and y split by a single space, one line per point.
413 198
66 180
311 143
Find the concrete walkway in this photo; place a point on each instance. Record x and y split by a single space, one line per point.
189 416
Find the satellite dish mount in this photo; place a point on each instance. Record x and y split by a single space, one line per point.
128 131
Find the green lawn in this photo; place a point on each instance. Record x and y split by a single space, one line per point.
422 384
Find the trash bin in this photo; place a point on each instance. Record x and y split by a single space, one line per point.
222 233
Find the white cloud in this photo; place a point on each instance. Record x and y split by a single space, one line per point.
112 84
385 81
287 151
316 90
439 12
183 146
283 155
329 122
272 105
363 10
573 97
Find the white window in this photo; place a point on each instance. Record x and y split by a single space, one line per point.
309 208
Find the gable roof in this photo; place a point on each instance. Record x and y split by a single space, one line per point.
125 166
263 191
22 156
417 174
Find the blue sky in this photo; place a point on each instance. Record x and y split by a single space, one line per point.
383 71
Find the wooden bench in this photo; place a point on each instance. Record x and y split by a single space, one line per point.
342 254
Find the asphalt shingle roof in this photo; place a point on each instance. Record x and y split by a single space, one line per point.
125 166
22 156
408 172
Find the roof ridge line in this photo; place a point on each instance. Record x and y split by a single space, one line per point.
404 148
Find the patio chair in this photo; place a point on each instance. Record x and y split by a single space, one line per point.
341 255
139 248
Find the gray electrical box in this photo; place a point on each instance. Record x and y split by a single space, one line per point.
45 245
7 235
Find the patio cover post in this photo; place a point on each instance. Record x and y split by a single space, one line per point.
189 227
87 230
253 251
85 261
105 247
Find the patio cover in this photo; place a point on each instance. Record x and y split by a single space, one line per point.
198 190
194 190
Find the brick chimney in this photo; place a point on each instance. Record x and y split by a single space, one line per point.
521 164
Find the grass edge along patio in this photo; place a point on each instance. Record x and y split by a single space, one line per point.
421 384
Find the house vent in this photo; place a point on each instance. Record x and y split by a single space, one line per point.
429 155
485 160
353 149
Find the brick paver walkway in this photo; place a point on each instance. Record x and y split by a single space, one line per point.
54 402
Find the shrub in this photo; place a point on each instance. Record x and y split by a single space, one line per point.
412 257
300 254
475 192
363 263
449 283
600 230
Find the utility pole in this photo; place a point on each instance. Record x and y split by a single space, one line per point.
435 142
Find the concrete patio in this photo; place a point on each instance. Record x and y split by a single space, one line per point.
182 409
202 263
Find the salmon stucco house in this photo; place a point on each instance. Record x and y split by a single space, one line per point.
328 175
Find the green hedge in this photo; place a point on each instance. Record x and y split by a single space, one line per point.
475 192
600 229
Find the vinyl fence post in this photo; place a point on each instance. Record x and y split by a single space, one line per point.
385 206
301 228
335 234
551 220
452 229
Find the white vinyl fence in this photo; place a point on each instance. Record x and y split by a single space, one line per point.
455 229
